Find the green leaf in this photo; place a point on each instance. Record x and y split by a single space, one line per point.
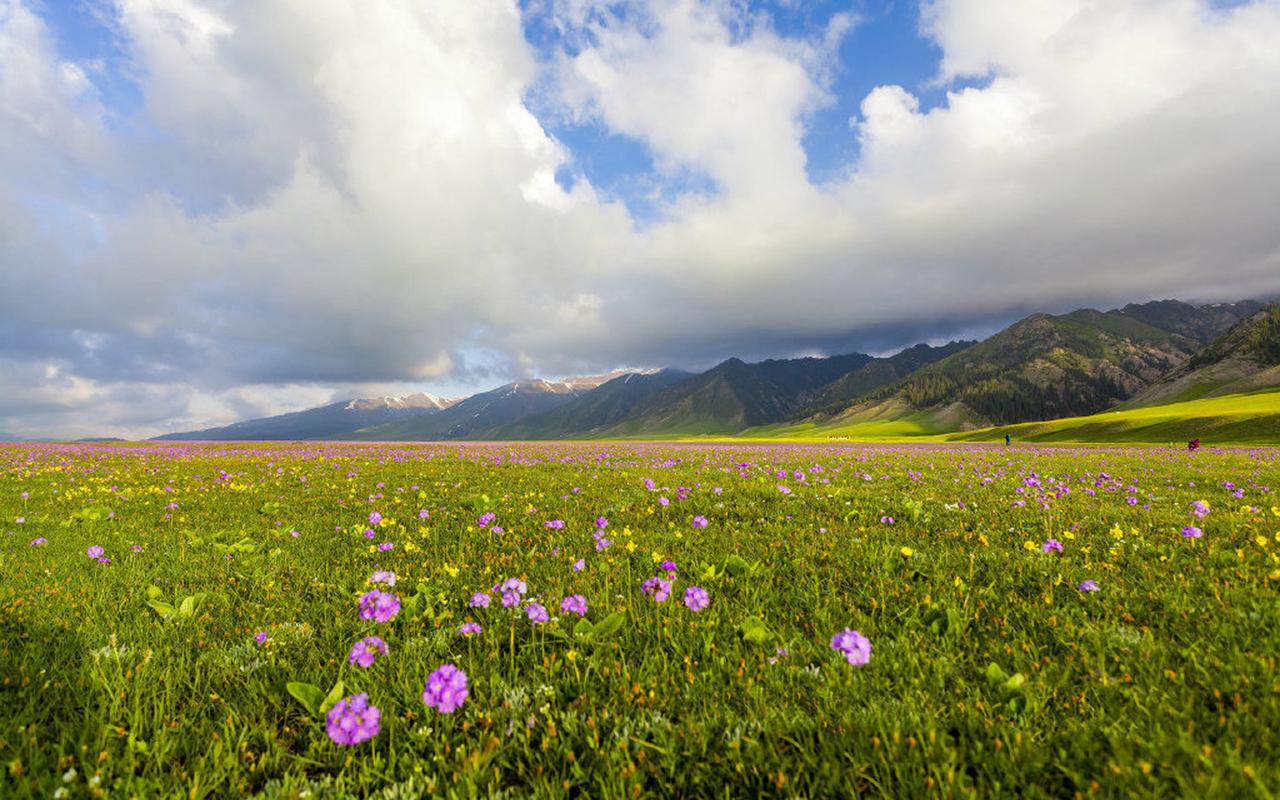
154 593
608 626
162 608
332 698
188 607
309 695
583 629
737 566
754 630
995 674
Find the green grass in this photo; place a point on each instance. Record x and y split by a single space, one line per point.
991 675
1250 418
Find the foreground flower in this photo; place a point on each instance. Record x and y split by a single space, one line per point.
658 587
38 541
480 600
574 604
1088 586
469 629
579 565
366 651
1051 546
374 518
536 612
855 647
352 720
389 578
260 637
699 521
1192 532
379 605
446 689
696 598
95 551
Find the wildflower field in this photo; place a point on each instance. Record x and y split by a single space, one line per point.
638 620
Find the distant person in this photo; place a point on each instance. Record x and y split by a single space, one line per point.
1193 445
1007 439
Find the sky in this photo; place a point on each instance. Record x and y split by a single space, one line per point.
218 209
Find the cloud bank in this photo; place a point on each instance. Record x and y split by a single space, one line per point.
319 197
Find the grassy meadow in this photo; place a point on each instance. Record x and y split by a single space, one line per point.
183 620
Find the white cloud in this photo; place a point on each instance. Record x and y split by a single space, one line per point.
332 194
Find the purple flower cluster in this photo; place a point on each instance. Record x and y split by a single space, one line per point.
696 598
660 588
353 720
379 606
366 651
469 629
851 644
1051 546
574 604
446 689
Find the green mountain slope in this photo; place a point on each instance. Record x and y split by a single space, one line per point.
734 395
835 396
1245 358
1042 367
602 407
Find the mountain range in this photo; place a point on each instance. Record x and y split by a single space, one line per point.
1042 367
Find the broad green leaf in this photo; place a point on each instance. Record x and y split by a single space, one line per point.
583 629
162 608
608 626
309 695
332 698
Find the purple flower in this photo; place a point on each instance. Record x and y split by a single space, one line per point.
510 599
555 524
855 647
696 598
886 520
514 585
574 604
388 578
374 518
658 587
137 548
663 501
38 541
369 533
536 612
95 551
469 629
365 652
1051 545
699 521
379 605
602 544
479 600
384 547
1192 532
1088 586
485 518
668 566
579 565
649 484
352 720
260 637
783 489
446 689
1199 509
423 513
104 560
602 522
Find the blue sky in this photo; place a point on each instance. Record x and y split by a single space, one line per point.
211 209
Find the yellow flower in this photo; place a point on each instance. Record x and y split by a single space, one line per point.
452 570
907 552
1029 545
657 557
1261 540
982 537
631 547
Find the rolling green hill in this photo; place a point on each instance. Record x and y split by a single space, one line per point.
1245 358
1048 366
